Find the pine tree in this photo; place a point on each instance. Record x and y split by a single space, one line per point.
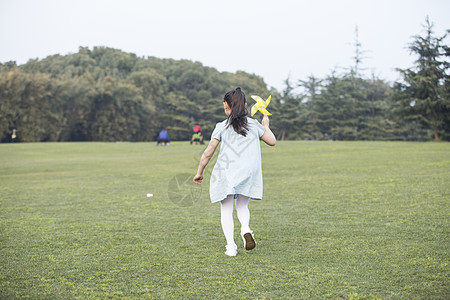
312 88
425 96
286 113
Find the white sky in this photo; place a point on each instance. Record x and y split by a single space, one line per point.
269 38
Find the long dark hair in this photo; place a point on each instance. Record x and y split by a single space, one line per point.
238 116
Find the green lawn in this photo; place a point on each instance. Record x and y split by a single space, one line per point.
356 220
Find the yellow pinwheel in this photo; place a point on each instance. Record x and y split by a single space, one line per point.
260 105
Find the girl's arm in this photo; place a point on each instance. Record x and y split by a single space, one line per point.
207 154
268 137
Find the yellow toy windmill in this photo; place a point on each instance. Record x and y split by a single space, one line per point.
260 105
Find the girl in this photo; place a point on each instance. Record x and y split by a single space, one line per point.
237 174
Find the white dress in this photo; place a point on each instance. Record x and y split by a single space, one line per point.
238 167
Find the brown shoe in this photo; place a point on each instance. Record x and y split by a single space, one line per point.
249 241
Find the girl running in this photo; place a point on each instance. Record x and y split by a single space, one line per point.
237 174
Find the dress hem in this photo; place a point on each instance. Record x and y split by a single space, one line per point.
252 198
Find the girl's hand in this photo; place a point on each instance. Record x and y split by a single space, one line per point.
206 156
268 137
198 178
265 122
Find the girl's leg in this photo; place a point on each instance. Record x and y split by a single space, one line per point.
226 218
243 212
244 217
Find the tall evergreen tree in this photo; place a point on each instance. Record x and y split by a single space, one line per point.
287 109
425 96
312 90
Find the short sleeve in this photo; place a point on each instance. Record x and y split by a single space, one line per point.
217 133
259 128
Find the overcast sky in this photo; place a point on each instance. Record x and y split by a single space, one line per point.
273 39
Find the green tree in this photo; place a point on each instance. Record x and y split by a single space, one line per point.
287 109
116 113
312 88
78 100
424 93
336 109
375 120
32 104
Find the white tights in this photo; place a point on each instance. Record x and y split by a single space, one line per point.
243 214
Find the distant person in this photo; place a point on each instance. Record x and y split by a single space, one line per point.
197 136
163 138
13 135
237 174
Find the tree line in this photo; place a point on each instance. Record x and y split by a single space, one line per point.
349 106
105 94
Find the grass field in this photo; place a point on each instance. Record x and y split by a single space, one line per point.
356 220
